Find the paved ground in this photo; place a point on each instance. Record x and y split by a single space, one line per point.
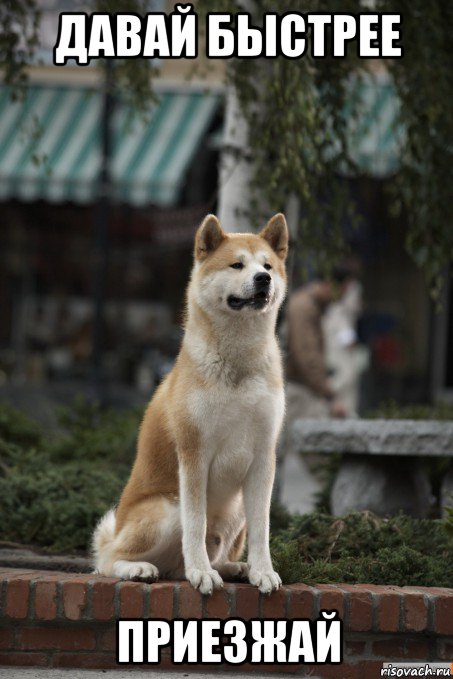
32 673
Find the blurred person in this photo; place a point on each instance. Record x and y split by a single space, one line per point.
310 393
346 359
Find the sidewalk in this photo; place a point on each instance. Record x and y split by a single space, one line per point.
33 673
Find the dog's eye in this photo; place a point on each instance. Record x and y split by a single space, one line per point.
237 265
268 267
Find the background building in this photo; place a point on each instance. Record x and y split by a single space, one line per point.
95 271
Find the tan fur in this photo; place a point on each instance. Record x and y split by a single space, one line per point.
206 449
238 546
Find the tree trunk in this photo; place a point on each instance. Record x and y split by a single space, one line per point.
236 168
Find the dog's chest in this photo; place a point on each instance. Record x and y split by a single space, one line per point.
224 413
234 423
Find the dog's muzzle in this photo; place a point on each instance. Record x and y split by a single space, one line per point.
262 280
260 298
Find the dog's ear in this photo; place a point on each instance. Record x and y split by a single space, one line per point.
276 234
208 238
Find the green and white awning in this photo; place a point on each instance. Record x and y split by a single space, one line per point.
50 141
375 136
50 145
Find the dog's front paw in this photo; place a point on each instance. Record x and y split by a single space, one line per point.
204 580
238 570
135 570
267 580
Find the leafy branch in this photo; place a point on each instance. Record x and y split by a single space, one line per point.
296 111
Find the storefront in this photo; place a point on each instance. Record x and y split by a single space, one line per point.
163 178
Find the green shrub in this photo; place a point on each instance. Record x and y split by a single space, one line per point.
391 410
53 490
16 427
280 518
54 506
361 547
90 432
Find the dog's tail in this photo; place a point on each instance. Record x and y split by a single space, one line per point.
103 537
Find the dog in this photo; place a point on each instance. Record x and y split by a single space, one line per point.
205 463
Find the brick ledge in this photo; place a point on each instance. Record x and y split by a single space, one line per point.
56 619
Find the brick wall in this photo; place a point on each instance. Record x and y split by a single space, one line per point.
51 619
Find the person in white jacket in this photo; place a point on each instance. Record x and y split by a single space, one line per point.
346 359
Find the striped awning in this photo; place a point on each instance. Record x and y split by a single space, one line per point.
50 145
375 136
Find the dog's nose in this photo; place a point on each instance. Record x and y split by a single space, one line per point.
262 279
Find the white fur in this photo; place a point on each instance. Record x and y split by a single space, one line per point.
103 537
239 415
166 553
135 570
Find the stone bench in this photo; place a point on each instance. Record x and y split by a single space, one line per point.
380 470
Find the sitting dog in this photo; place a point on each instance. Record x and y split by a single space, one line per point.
206 451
